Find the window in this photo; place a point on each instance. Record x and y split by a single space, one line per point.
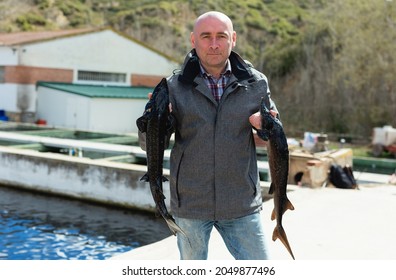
101 77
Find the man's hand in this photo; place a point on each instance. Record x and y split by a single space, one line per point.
255 119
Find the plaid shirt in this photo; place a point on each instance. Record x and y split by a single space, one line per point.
217 86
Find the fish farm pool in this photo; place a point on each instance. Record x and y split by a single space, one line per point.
41 227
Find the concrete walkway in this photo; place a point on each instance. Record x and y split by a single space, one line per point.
327 224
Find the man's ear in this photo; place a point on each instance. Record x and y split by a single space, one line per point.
234 37
192 40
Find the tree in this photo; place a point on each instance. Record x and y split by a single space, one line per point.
344 82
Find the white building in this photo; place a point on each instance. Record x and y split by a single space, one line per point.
91 107
85 56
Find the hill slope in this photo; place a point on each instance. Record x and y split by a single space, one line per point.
330 63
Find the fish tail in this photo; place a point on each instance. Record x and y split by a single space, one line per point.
176 229
280 233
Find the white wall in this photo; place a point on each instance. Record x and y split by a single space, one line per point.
82 178
116 115
69 110
62 109
14 97
104 51
8 56
8 92
8 97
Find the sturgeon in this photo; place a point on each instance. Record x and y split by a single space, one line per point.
278 157
157 123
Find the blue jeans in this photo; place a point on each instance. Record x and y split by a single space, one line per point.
244 238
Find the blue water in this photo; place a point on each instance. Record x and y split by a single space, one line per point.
37 227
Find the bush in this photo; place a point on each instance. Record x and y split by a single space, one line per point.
28 21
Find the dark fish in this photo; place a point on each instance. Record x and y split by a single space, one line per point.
156 122
278 156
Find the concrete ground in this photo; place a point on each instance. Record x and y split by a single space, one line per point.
327 224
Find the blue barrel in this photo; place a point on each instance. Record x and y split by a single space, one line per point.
3 116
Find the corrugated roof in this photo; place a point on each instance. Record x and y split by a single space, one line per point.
99 91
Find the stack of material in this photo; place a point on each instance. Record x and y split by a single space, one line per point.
312 169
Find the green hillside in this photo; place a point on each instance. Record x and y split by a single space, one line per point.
331 64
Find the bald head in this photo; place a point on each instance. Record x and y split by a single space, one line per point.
213 38
215 15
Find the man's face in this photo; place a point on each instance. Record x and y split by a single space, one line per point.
213 39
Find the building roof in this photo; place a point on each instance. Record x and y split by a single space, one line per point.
21 38
100 91
17 38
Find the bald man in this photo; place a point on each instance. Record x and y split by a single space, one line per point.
214 179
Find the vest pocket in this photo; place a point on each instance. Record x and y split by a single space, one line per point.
253 184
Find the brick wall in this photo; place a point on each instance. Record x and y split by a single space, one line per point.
30 75
145 80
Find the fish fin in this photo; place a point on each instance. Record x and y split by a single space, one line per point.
273 215
289 205
145 178
141 123
280 233
271 189
164 179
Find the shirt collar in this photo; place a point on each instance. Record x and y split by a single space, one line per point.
226 72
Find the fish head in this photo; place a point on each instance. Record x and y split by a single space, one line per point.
141 123
159 102
267 120
156 107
